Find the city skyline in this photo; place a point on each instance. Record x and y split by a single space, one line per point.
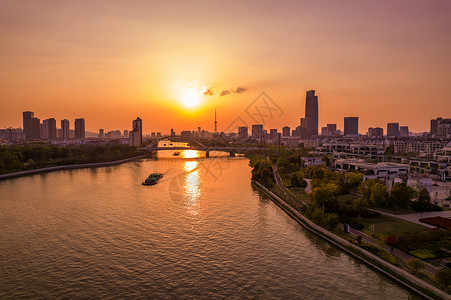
144 60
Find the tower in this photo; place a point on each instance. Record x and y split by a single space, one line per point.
311 113
216 123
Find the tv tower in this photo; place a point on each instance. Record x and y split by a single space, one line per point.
216 123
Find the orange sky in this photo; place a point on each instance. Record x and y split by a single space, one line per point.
111 61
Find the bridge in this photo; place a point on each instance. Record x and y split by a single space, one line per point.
198 146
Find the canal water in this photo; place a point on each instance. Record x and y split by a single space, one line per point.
202 232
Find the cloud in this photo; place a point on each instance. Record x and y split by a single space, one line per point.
209 92
240 90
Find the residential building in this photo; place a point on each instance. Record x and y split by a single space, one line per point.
404 131
286 131
27 116
375 132
65 129
243 133
80 128
257 131
392 129
351 126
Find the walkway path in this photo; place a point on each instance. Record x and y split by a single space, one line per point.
415 217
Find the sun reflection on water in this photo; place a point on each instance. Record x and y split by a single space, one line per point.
190 154
192 189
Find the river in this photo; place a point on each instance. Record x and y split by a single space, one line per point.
202 232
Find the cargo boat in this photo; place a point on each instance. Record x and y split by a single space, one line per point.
152 179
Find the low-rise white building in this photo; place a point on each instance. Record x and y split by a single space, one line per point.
382 171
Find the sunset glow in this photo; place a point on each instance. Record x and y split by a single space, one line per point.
157 59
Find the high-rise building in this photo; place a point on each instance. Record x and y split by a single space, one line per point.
65 129
27 116
311 113
392 129
273 134
257 131
332 128
126 133
101 133
376 132
35 129
351 126
286 131
243 133
404 130
172 132
441 126
49 128
79 128
434 125
135 136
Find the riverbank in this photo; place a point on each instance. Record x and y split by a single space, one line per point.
398 275
69 167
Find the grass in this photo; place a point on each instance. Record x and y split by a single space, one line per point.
387 225
300 194
346 197
397 211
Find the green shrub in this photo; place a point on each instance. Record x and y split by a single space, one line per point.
387 256
423 253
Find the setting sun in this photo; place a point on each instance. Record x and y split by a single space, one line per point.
191 97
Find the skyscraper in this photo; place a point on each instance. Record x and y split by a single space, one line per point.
392 129
351 126
27 116
65 129
80 128
311 113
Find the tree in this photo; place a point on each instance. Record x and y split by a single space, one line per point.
353 181
325 196
443 277
400 195
359 205
415 265
423 196
378 193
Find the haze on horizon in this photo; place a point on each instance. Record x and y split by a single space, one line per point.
168 62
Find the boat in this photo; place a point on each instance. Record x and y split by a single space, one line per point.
176 153
152 179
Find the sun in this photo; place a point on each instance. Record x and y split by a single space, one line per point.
191 97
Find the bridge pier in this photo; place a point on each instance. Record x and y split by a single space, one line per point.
232 153
207 153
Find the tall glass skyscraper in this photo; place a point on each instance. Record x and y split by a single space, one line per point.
311 113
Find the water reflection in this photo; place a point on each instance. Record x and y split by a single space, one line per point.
185 189
190 154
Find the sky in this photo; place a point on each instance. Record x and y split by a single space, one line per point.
172 63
